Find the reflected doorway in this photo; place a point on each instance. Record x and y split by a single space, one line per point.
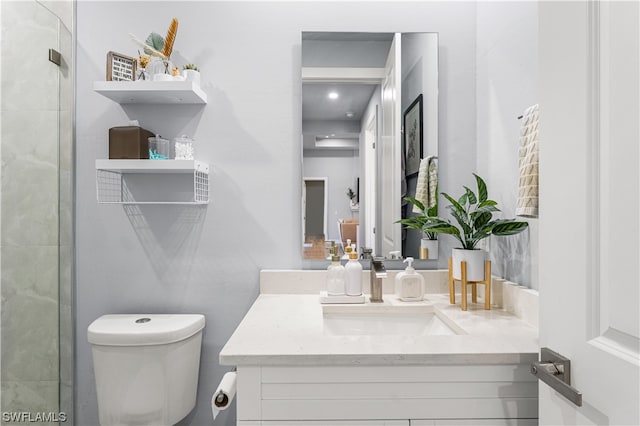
314 221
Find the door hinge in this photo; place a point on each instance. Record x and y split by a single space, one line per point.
55 57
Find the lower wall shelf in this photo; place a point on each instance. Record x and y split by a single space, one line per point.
114 188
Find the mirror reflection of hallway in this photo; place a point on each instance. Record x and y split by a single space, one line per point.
315 217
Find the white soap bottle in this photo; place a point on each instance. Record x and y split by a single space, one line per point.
410 284
353 282
335 277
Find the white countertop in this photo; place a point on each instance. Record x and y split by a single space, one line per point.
287 329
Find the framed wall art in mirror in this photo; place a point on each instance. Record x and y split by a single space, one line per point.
412 147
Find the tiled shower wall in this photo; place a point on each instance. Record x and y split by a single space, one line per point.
36 234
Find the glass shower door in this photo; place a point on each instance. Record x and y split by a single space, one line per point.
36 223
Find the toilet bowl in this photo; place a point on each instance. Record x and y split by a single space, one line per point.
146 367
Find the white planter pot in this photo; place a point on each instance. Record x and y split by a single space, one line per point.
192 75
428 249
475 264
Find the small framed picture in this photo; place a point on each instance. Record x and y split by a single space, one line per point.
412 124
120 67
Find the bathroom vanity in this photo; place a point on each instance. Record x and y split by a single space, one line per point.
395 363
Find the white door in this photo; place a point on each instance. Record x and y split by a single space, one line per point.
390 152
370 175
589 210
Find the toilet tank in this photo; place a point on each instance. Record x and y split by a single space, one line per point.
146 367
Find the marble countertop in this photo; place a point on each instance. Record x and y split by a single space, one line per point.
287 329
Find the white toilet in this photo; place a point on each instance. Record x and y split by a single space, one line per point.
146 367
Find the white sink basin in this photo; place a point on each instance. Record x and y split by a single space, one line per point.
404 320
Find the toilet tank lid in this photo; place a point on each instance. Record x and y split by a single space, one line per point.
143 330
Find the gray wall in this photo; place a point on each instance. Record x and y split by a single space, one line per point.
172 259
506 84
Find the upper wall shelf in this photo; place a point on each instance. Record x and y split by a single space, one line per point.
151 92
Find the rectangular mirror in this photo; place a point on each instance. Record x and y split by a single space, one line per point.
369 122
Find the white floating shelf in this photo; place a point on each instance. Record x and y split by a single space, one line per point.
153 166
151 92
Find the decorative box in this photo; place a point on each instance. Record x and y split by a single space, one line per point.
129 142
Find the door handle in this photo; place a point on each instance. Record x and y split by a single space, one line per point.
555 370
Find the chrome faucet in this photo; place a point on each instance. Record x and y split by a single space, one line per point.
377 274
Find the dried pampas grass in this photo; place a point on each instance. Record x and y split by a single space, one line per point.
170 38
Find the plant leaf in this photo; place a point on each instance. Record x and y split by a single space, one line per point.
147 49
156 41
471 196
482 189
454 203
462 221
481 219
486 209
416 222
508 227
487 203
415 202
463 199
442 228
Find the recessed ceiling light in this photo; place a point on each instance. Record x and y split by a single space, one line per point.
333 95
350 114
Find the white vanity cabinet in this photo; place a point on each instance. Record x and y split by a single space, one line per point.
416 395
293 369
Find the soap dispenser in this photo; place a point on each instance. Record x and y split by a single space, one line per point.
335 274
410 284
347 250
353 281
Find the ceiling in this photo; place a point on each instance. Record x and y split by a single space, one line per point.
325 119
316 104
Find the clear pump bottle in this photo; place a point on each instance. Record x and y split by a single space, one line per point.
335 275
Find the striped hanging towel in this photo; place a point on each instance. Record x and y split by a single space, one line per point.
422 186
433 182
528 161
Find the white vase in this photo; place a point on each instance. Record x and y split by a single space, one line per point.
428 249
475 263
192 75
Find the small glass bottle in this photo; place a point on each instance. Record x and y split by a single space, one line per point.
335 277
347 250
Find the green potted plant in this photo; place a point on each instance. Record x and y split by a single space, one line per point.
429 240
474 216
352 199
190 72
